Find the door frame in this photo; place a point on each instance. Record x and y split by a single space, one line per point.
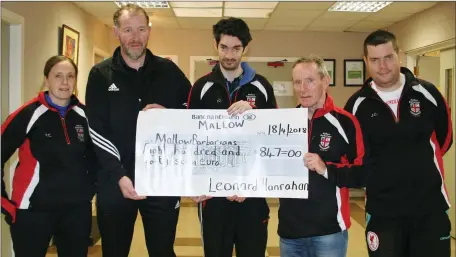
16 70
16 58
194 59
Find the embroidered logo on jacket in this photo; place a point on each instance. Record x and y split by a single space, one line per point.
113 87
251 99
325 139
80 132
372 241
415 108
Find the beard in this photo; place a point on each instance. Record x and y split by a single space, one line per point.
232 65
133 54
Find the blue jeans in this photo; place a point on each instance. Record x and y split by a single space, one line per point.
333 245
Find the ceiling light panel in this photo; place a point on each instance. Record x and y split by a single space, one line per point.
196 4
247 13
198 12
145 4
367 6
251 5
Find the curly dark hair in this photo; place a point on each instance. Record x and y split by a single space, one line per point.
233 27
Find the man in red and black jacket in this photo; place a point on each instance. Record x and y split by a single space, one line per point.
318 225
407 125
234 86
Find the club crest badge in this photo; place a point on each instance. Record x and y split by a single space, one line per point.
415 108
80 132
251 99
372 241
325 139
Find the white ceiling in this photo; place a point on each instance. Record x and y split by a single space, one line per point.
291 16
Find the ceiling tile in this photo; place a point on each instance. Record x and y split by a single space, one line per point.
251 5
287 14
291 22
332 22
284 28
179 4
408 7
304 5
198 12
373 25
345 15
196 23
250 13
165 12
388 16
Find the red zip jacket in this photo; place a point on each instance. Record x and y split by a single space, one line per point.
55 156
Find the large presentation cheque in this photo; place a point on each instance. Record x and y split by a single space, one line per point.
207 152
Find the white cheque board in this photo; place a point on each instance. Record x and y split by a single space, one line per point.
207 152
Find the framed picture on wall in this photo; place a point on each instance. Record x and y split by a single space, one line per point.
331 67
354 72
70 43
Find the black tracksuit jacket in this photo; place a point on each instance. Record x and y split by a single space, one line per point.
406 152
56 159
335 135
114 96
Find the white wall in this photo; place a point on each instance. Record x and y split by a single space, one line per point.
447 61
429 69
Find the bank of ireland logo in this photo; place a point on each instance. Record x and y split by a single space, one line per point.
80 132
415 108
372 241
249 116
325 139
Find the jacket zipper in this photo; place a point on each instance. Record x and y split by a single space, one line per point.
396 119
65 128
309 139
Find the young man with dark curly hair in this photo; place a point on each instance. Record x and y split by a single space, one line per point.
235 86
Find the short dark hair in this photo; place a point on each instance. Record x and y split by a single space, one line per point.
233 27
129 8
380 37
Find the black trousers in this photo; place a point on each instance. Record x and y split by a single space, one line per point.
33 230
423 236
116 221
225 223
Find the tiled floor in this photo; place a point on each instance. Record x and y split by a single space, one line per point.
188 241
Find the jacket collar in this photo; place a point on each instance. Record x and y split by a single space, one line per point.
42 99
327 107
410 80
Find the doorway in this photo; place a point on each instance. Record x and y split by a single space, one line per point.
12 68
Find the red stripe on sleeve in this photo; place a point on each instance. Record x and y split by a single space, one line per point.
14 114
24 172
9 207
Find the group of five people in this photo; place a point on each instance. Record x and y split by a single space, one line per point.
389 138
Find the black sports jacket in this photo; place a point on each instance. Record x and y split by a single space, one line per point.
407 151
210 91
55 157
114 96
335 135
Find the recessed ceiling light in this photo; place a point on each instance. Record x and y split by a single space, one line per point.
367 6
145 4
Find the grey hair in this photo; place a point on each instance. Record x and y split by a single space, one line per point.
314 59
